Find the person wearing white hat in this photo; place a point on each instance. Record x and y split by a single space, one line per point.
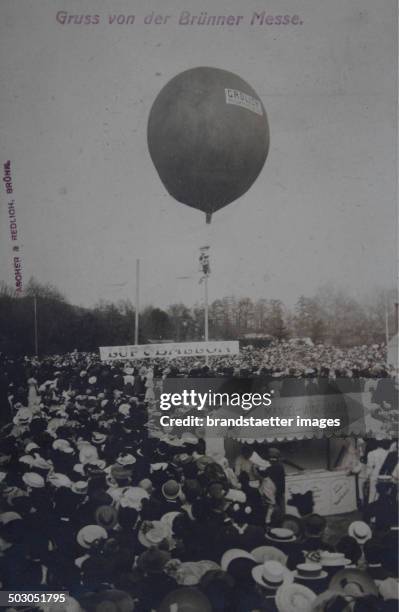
271 575
80 487
58 480
360 531
294 598
153 533
33 480
132 497
232 554
89 535
23 417
269 553
63 446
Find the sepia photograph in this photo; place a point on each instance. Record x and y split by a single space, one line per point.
198 306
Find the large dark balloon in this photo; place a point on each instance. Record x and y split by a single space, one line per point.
208 137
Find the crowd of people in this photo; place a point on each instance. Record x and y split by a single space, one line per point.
93 504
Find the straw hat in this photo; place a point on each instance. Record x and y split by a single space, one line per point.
98 437
80 487
360 531
353 583
31 479
232 554
90 534
333 559
23 416
8 517
269 553
271 574
331 600
389 589
59 480
280 534
294 598
169 517
126 459
132 497
30 447
157 533
309 571
62 445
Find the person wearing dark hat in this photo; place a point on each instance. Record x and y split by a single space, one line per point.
375 560
312 542
276 473
314 528
170 500
351 549
218 586
154 583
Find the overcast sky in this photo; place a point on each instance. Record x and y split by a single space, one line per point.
74 104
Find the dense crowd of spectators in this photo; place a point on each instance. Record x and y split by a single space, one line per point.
93 504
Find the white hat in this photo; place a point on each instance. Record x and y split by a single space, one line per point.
30 447
280 534
62 445
124 409
33 480
360 531
327 599
294 598
23 416
231 555
88 454
92 380
271 574
168 519
132 497
7 517
80 487
389 588
333 559
90 534
155 535
28 459
126 459
98 437
189 438
59 480
155 467
236 496
189 573
269 553
309 571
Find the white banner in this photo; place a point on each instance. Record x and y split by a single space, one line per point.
169 350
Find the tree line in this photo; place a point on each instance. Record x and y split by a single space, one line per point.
330 316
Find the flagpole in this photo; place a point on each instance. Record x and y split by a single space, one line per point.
36 335
137 306
386 323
